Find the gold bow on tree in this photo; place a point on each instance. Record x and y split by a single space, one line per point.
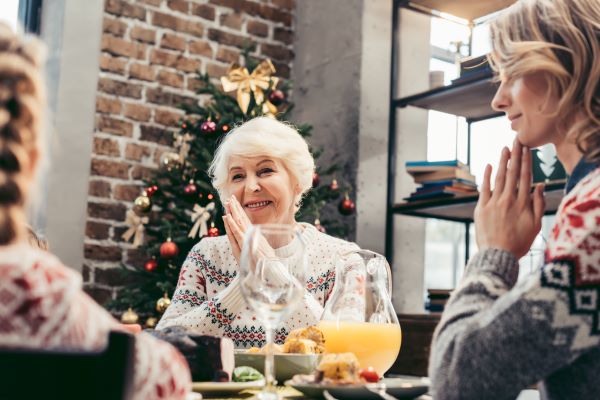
200 218
238 78
183 142
136 228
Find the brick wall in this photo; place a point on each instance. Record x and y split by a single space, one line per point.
151 50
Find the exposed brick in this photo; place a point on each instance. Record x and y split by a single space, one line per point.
96 230
126 192
100 295
121 47
276 52
86 273
145 35
177 24
142 72
112 211
167 118
216 70
170 79
136 257
228 55
159 96
120 88
205 11
274 14
140 172
178 5
283 35
102 253
114 126
194 84
106 147
113 276
136 152
228 39
107 105
172 41
177 61
285 4
124 9
154 3
137 112
112 64
257 28
201 47
155 134
232 20
283 69
114 26
99 188
113 169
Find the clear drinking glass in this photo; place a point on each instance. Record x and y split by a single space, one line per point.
359 316
272 272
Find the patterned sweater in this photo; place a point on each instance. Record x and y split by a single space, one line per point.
208 298
42 306
497 337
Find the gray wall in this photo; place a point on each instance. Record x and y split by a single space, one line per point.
326 74
72 30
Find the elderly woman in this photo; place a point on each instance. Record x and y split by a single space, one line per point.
261 171
497 336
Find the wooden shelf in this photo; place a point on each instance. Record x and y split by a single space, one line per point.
467 99
461 209
465 9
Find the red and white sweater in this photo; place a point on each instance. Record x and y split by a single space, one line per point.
42 306
208 298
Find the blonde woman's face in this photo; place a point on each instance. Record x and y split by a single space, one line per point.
523 100
263 187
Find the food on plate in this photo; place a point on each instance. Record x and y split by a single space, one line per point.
308 340
311 333
246 374
369 375
276 348
300 346
210 358
341 368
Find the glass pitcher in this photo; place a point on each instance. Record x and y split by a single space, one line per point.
359 316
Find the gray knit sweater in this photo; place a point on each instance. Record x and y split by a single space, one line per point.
497 337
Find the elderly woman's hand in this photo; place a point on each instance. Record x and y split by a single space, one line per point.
511 216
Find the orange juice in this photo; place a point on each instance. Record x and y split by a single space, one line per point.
375 345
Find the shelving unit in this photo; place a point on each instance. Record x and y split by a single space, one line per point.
469 99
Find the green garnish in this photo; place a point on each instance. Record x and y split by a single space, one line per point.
246 374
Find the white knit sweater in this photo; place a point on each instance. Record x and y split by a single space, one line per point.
208 297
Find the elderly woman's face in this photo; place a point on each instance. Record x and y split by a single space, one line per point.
263 187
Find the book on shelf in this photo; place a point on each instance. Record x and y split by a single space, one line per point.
455 185
421 167
446 193
455 173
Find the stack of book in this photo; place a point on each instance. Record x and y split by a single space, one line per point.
440 179
437 299
472 69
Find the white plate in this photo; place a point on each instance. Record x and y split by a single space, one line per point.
402 388
213 388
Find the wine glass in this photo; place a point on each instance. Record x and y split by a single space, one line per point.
359 316
272 272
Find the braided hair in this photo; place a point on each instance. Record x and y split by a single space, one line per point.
22 101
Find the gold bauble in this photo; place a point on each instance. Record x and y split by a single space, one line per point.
151 322
142 204
130 317
170 160
163 303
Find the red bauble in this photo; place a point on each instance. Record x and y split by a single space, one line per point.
213 231
208 127
346 206
169 249
151 265
316 180
184 126
190 189
276 97
150 190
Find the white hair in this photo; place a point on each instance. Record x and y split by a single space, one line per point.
264 136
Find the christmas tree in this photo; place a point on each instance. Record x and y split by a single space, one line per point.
179 205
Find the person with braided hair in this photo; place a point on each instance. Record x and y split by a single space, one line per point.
43 305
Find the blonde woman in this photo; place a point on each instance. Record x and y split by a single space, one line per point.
261 171
497 337
42 304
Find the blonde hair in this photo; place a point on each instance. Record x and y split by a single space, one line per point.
561 39
35 240
22 100
263 136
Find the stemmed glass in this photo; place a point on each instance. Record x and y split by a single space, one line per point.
272 273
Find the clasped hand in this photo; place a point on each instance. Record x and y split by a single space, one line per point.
510 217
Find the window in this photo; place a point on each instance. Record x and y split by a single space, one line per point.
9 12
